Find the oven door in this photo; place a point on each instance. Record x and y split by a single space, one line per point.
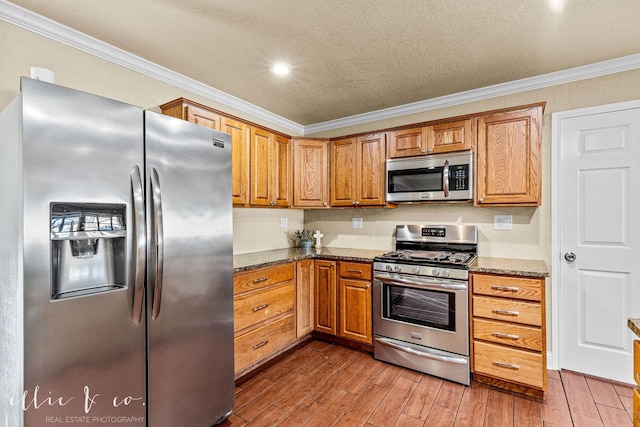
429 312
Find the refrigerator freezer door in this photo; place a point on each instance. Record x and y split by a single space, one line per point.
190 273
85 351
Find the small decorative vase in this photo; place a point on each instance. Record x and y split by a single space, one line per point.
306 244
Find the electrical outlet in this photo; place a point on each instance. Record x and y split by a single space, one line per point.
356 222
502 222
284 222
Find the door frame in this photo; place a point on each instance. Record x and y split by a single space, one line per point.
556 214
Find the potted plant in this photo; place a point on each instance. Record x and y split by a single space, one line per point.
304 237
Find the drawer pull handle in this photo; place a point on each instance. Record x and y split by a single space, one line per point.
262 279
262 344
260 307
505 288
510 336
354 271
505 312
506 365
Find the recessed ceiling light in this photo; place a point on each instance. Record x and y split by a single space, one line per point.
280 69
556 5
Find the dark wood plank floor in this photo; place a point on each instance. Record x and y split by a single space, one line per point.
324 385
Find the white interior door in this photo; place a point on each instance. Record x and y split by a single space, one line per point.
598 196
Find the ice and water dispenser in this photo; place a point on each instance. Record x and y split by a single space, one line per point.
88 248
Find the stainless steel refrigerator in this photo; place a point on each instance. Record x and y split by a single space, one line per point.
116 278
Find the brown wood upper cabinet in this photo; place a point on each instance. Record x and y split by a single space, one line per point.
239 159
239 131
407 142
270 169
192 112
310 173
509 164
449 136
358 171
432 139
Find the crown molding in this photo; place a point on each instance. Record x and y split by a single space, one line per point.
45 27
584 72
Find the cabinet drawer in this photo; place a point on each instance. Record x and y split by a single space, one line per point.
512 287
636 361
259 343
525 337
507 310
255 279
259 306
508 363
355 270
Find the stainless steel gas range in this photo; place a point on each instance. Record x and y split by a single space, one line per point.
421 300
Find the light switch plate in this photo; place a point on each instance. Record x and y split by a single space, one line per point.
284 222
502 222
356 222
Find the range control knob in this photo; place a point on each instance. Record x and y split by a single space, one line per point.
388 268
446 273
435 272
397 269
416 270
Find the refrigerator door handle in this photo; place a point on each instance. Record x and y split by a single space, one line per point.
140 250
157 244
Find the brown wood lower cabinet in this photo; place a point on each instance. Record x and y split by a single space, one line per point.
325 318
343 300
354 296
264 314
636 377
508 329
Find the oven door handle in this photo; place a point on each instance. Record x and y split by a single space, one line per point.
446 359
418 284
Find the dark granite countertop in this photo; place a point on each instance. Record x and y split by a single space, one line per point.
634 325
250 261
254 260
510 266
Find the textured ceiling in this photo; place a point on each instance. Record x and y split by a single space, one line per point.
356 56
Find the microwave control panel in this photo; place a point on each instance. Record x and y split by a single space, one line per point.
459 177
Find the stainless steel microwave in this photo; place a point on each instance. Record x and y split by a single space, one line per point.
437 177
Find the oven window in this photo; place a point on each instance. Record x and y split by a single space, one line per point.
415 180
435 309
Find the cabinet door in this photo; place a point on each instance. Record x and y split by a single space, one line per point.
355 310
281 168
239 159
310 173
370 167
407 142
451 136
202 116
260 171
325 297
509 164
304 297
343 172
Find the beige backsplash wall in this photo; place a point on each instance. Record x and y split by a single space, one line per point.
377 232
256 230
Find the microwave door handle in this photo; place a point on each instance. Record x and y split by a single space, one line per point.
445 178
